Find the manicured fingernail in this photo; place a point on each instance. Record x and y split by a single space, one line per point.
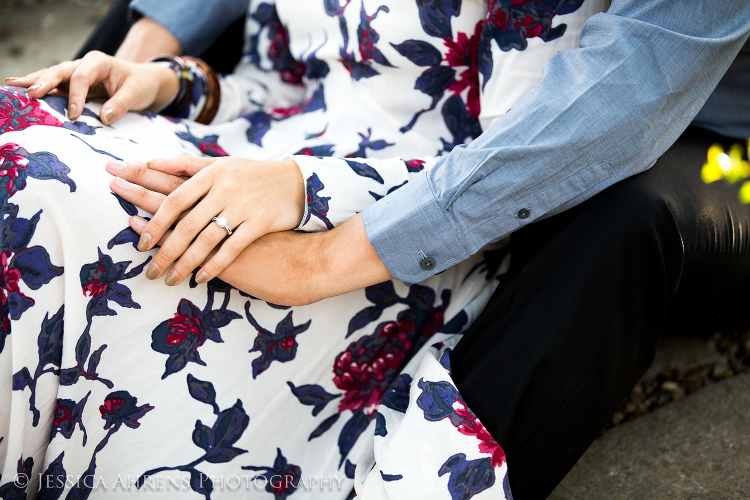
145 243
116 165
108 116
148 163
122 183
11 79
33 87
201 277
140 222
172 278
152 271
72 111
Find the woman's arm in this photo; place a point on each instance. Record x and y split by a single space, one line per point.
124 85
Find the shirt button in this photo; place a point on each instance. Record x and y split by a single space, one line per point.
524 213
428 264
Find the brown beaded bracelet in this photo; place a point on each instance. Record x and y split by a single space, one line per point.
213 92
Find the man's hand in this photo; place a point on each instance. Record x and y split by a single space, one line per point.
292 268
255 197
146 39
289 267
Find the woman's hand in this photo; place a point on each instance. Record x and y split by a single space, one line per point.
187 192
124 85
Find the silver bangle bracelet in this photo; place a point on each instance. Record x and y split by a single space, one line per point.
305 214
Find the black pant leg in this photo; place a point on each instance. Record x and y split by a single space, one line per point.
110 31
574 324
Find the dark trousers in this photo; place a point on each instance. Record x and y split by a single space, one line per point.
107 36
574 324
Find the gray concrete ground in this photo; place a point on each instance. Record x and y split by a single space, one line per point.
40 35
695 448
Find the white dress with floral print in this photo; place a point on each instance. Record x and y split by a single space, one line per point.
115 386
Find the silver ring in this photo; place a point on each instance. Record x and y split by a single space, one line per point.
222 222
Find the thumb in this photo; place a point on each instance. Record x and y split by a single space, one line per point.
184 165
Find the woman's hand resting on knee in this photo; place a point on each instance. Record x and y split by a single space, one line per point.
123 85
185 193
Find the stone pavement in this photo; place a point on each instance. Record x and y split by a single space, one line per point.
694 448
40 35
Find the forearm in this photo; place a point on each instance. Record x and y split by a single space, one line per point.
293 268
602 112
146 39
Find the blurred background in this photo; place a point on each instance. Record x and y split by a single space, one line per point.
35 34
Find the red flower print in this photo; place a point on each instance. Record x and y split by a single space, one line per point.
469 425
12 169
19 111
182 325
463 52
120 408
96 286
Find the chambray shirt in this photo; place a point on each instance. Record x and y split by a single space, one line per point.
195 23
603 112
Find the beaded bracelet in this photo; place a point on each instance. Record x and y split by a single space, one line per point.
199 93
212 90
179 103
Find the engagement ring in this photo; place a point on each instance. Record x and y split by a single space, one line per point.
223 222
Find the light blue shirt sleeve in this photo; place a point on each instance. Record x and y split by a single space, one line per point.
603 112
195 23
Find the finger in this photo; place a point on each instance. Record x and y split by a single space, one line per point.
139 173
93 68
129 96
139 196
51 78
245 234
25 81
207 241
178 201
138 224
181 164
186 230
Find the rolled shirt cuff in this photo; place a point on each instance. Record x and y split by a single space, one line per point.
411 234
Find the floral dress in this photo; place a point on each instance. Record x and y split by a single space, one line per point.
113 385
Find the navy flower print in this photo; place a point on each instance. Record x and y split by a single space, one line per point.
67 415
120 408
280 345
467 478
216 441
511 22
100 280
367 38
180 336
282 478
16 488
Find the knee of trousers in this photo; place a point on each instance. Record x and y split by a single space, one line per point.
633 224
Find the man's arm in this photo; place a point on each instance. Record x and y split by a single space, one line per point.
603 112
295 268
192 24
147 38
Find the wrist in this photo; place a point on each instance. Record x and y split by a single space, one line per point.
169 86
299 196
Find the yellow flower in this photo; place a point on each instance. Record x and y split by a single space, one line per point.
720 165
